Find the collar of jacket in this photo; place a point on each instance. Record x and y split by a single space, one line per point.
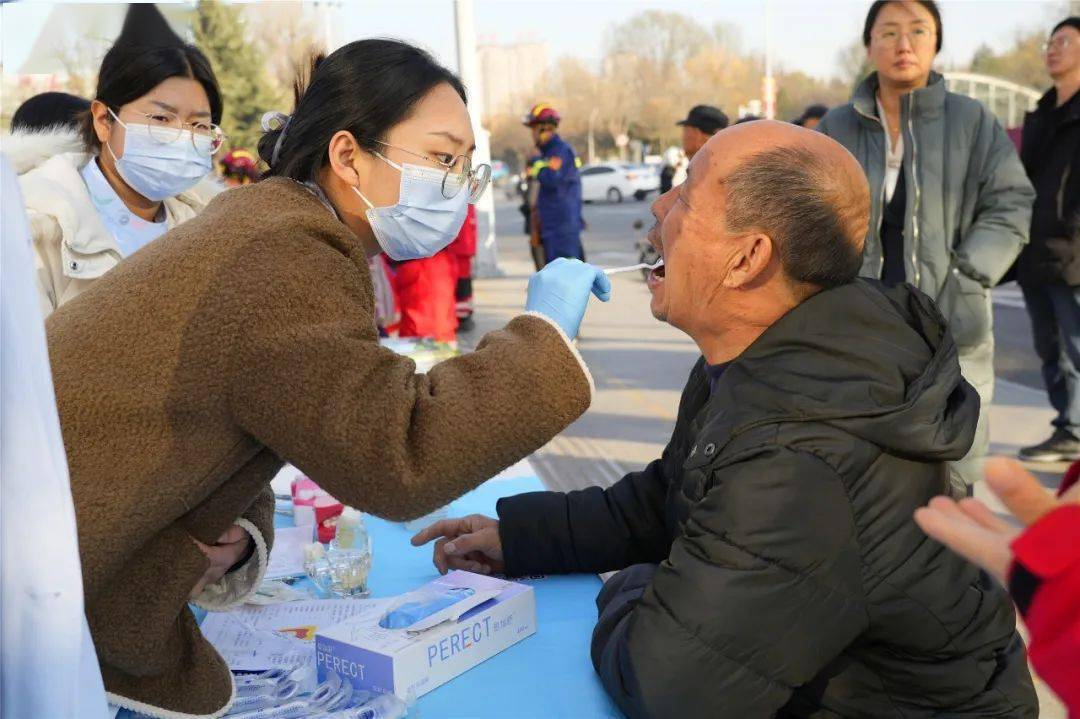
1048 103
27 150
553 142
57 189
926 102
49 164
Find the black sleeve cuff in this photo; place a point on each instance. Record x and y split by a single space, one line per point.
532 528
1022 586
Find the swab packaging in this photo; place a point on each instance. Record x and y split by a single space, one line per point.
429 636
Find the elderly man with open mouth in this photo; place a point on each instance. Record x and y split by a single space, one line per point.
769 563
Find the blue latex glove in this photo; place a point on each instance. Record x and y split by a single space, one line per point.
424 606
561 291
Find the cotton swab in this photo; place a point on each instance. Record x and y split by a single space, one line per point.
634 268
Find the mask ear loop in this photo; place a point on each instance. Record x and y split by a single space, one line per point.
366 200
108 144
385 159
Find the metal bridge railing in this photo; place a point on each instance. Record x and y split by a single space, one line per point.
1007 100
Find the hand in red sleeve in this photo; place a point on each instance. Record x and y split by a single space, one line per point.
969 528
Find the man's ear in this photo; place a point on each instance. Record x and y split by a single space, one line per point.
347 159
750 261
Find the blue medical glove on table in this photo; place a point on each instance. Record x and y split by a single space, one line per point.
561 291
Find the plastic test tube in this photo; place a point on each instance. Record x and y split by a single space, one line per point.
277 694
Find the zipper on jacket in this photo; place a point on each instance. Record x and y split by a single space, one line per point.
918 189
877 230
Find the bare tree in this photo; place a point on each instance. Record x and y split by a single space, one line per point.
655 67
1023 63
80 56
728 37
854 63
665 39
288 32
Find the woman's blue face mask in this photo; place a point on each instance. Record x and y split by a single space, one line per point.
423 221
157 170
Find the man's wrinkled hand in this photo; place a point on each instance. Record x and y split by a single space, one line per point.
229 549
970 529
471 543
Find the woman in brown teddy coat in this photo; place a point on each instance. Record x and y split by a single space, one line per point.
245 338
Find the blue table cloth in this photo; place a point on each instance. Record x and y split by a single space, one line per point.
547 675
544 676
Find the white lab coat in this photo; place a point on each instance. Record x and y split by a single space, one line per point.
49 666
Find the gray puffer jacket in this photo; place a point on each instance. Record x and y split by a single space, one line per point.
968 197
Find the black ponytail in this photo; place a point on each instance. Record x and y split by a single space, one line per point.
366 87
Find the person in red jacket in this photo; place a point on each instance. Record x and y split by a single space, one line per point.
464 249
426 290
1040 564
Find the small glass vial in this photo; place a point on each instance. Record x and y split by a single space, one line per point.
349 556
317 567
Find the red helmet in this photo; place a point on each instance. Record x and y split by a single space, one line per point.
542 114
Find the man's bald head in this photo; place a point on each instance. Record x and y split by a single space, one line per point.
799 187
770 214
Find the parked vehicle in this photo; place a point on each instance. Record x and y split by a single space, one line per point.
615 181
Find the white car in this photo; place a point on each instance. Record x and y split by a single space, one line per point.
614 181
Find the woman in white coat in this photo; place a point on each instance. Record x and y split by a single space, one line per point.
42 621
137 167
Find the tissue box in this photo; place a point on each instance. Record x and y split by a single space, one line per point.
397 661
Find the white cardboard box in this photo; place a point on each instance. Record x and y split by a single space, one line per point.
399 661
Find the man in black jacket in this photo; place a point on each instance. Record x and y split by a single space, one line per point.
769 562
1049 267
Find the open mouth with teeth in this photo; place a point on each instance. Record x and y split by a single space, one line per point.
656 275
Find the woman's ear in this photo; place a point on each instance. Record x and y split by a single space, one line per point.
347 158
103 121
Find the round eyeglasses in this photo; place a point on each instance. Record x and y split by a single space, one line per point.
166 129
917 37
1058 43
459 174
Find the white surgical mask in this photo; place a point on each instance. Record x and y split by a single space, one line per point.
423 221
156 170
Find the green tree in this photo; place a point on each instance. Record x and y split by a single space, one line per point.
246 90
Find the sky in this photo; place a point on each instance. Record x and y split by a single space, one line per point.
807 35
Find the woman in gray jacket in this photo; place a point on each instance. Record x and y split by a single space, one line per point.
951 204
